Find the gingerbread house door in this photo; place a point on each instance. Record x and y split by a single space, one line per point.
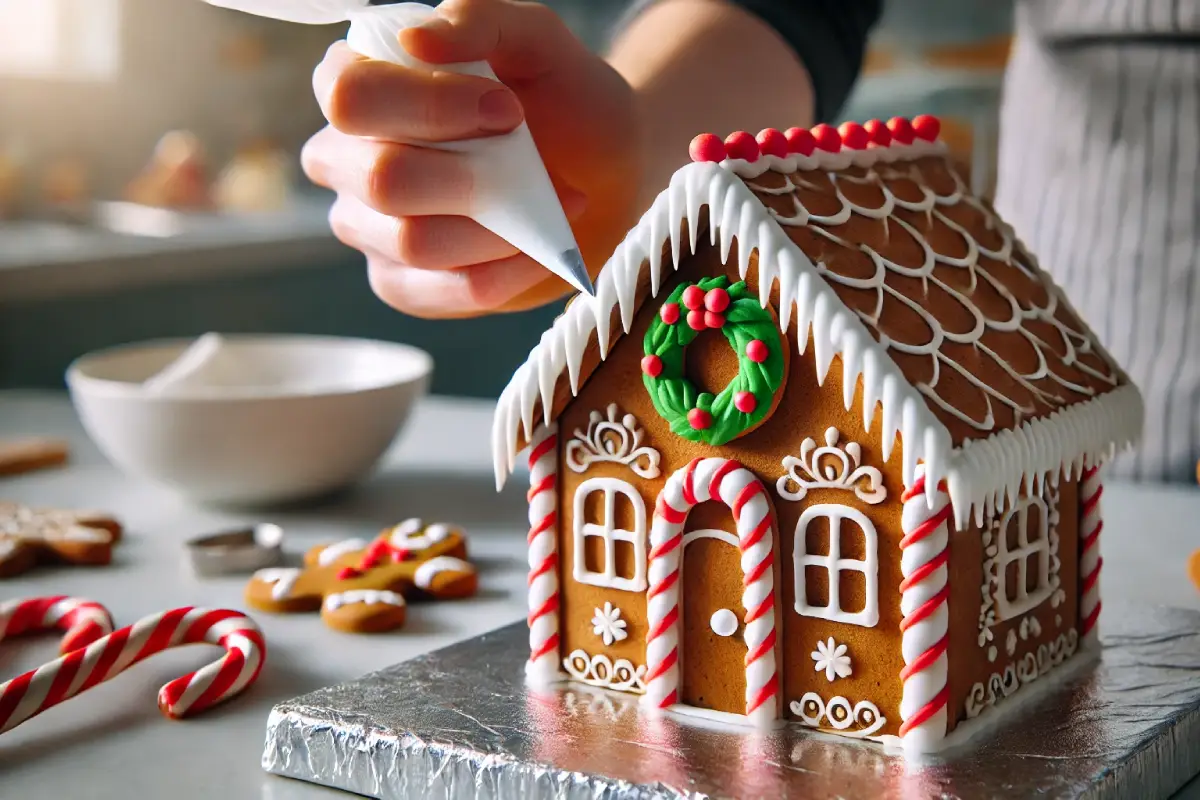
714 649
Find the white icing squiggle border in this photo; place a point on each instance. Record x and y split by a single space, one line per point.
980 475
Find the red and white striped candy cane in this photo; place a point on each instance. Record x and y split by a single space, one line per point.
1090 490
48 685
924 596
542 666
82 620
735 486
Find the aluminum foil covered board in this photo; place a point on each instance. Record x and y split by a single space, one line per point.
460 723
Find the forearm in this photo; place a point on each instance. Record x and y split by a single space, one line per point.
706 65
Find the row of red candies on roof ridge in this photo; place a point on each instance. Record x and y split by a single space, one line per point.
771 142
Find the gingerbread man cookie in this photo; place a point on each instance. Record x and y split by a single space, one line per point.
31 536
363 587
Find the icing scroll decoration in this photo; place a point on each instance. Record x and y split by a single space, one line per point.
610 440
830 467
839 714
600 670
1029 668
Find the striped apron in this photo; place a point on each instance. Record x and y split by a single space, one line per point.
1099 172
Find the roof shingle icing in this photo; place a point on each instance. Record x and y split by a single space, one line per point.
886 258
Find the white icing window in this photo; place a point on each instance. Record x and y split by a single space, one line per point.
841 520
598 535
71 39
1023 558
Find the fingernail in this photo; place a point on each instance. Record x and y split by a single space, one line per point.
499 111
436 25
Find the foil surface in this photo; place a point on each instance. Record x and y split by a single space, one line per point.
460 723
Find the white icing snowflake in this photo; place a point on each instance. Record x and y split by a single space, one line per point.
1011 643
608 625
832 658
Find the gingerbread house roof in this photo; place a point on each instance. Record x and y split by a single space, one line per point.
871 242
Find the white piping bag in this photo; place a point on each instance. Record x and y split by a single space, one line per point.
514 197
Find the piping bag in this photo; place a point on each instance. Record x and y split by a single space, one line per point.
514 197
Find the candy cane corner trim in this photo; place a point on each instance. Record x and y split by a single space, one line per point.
1091 523
735 486
924 593
543 668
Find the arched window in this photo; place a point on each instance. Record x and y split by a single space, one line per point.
601 532
829 566
1023 555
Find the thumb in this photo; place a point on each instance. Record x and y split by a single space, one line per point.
521 41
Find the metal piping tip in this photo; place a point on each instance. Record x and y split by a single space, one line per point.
572 270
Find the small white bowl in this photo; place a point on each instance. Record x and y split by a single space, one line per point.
322 412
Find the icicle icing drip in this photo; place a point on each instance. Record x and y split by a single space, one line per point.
984 473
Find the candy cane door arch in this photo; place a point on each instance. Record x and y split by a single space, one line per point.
733 485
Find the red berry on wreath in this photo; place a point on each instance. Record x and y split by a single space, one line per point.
693 297
699 419
757 351
652 366
745 402
716 300
669 313
714 320
695 320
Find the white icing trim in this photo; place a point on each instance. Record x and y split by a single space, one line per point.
982 472
833 562
865 482
366 597
610 535
1044 548
428 570
824 160
723 622
614 442
283 578
839 714
1026 670
338 549
600 670
711 533
832 659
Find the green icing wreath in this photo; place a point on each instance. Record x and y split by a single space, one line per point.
753 334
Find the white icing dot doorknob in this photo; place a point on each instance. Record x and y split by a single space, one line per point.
724 622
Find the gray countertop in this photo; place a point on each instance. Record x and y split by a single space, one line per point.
111 743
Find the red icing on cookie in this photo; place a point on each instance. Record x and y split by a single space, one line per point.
740 144
827 138
699 419
745 402
707 147
800 140
757 351
773 143
716 300
927 127
669 313
854 136
693 297
652 365
901 130
878 132
714 320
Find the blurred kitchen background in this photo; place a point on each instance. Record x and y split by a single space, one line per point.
149 187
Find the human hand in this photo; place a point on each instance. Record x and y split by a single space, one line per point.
402 204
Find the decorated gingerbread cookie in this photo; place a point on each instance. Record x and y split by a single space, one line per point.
31 536
363 587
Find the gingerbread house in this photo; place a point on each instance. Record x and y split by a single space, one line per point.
822 448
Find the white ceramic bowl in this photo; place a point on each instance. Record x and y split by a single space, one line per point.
323 412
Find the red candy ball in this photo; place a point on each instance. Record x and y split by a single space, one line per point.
740 144
878 132
652 366
854 136
699 419
800 140
695 320
707 147
757 351
901 130
669 313
693 297
714 320
772 143
745 402
716 300
927 127
827 138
